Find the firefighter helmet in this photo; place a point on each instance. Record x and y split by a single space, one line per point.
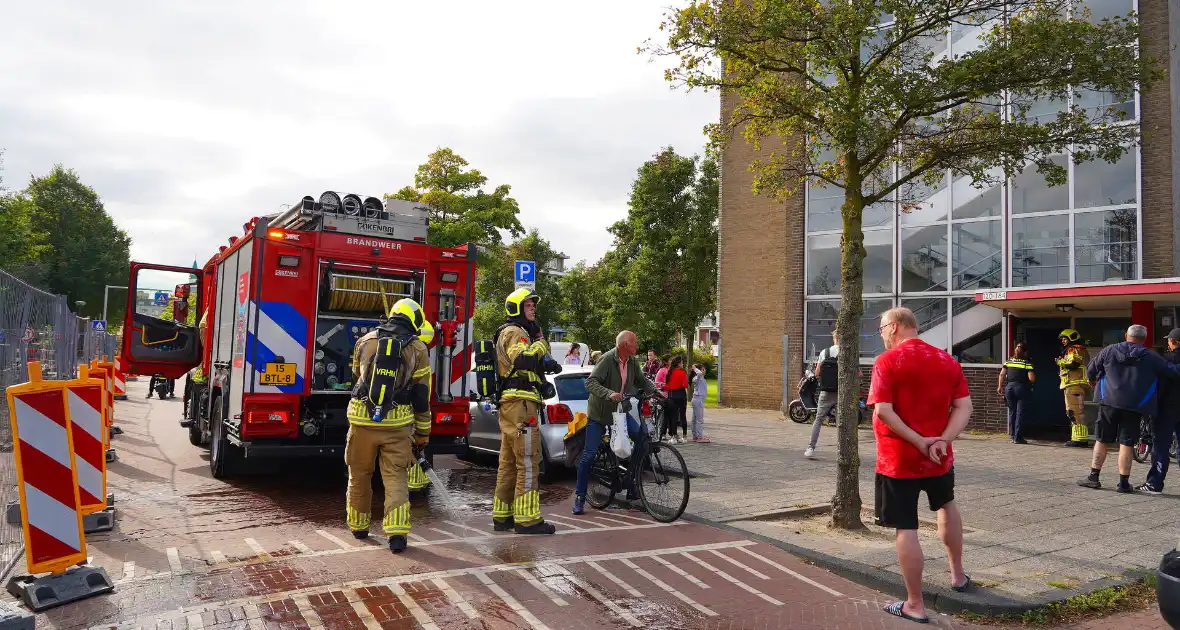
426 333
1070 335
514 305
409 309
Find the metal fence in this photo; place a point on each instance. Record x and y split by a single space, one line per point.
35 326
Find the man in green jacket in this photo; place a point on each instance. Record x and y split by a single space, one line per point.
616 378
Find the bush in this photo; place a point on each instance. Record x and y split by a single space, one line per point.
702 356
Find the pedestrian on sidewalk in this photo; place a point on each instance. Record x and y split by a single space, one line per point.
913 386
652 366
1128 378
1165 424
828 373
700 391
676 412
1015 385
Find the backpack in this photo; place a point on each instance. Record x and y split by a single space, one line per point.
379 387
487 385
829 374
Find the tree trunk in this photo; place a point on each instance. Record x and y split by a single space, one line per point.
846 504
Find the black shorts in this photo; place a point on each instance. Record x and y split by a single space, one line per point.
897 499
1117 425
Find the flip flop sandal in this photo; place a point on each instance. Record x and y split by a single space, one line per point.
964 586
897 609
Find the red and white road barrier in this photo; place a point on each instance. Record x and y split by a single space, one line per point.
90 435
120 383
48 484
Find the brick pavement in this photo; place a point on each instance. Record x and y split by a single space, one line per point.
1029 522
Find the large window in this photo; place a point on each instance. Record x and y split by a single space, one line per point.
1105 245
1031 193
820 321
823 263
976 331
1040 250
977 255
1097 184
924 258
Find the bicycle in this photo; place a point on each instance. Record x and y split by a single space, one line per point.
651 409
1142 450
661 472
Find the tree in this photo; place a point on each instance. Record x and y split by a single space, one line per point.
670 240
84 249
460 210
583 293
830 97
21 247
495 282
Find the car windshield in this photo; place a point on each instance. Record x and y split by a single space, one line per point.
571 387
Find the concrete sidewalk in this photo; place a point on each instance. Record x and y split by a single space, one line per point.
1028 522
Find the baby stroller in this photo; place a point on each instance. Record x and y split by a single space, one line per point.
803 408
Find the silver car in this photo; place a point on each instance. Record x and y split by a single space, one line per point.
484 431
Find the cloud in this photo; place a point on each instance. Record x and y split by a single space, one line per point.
190 118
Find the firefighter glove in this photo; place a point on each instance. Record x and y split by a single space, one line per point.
421 440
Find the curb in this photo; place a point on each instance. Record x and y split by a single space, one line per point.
940 598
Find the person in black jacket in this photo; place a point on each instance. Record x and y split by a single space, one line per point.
1128 377
1165 424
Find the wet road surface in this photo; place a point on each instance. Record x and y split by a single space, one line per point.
272 551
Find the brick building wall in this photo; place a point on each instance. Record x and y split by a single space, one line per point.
989 411
1159 219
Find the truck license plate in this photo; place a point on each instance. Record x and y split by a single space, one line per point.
277 374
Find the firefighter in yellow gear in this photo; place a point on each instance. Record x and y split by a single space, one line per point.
389 415
521 353
1071 366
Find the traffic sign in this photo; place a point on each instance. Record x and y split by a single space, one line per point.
526 272
99 325
161 298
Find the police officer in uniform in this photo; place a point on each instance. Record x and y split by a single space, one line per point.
1072 366
1016 381
521 356
389 414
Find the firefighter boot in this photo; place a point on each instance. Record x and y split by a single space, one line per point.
397 544
540 527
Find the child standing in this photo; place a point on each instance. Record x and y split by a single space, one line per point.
699 393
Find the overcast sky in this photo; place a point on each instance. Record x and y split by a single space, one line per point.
190 117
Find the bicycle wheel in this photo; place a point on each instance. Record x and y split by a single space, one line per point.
663 483
604 478
1142 450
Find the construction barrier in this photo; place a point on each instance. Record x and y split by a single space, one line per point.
50 503
91 441
120 384
107 408
108 369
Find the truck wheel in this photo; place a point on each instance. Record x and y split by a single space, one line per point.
194 433
225 459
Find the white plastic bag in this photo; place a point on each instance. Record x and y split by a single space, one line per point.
620 440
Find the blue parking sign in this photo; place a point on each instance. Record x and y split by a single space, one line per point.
526 271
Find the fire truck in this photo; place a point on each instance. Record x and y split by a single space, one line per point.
279 309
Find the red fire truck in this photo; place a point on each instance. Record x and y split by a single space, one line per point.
279 310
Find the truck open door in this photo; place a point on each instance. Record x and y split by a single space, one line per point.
160 325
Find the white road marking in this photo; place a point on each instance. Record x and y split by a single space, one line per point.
681 572
732 580
585 521
623 515
257 548
663 586
254 600
565 522
129 570
174 560
416 538
218 557
195 622
614 578
456 598
757 574
593 592
791 573
337 541
444 532
362 611
420 615
346 548
310 616
466 527
612 520
511 601
531 579
300 546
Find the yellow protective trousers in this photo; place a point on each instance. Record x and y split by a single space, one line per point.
362 449
517 488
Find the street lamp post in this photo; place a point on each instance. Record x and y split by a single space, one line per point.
105 295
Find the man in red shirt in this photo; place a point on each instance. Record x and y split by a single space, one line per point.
921 404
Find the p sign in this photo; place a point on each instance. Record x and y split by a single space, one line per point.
526 272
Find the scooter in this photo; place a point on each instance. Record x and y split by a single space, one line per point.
159 385
802 409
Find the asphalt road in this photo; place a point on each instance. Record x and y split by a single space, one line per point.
272 551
